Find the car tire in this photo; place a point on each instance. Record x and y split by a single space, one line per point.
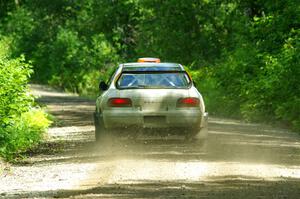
199 135
191 134
99 127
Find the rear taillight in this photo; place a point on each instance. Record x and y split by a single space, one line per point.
188 102
119 102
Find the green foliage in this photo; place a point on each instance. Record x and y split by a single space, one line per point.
257 75
73 61
23 133
21 125
181 31
259 84
213 97
244 55
14 75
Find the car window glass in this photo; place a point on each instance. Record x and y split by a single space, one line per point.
153 80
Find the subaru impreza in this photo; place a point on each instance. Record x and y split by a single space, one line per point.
150 95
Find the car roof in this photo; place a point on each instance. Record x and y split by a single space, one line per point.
146 66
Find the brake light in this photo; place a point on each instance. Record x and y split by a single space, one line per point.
119 102
149 60
188 102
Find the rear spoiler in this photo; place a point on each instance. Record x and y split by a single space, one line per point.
153 71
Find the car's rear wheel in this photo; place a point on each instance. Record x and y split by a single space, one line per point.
99 127
191 134
199 135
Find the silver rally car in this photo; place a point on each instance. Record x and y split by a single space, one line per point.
150 95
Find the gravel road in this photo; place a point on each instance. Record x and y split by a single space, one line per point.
239 160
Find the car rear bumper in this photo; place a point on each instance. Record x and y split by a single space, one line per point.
164 119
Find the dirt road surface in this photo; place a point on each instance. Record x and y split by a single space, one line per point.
240 160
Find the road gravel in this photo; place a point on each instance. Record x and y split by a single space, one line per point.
239 160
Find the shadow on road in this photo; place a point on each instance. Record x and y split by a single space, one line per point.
224 187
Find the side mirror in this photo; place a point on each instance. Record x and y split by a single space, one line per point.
103 86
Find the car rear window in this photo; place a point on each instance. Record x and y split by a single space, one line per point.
153 80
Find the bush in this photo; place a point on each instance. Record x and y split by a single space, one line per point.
255 85
14 74
21 125
215 98
23 133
